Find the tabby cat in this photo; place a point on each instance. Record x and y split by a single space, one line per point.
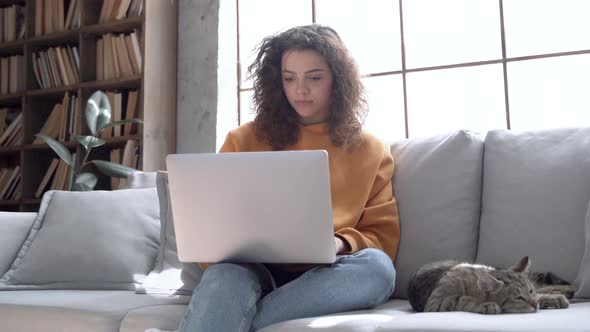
456 286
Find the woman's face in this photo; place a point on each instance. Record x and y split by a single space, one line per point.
307 82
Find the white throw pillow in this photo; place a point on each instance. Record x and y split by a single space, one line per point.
88 240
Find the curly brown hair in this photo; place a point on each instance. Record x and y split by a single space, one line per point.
276 121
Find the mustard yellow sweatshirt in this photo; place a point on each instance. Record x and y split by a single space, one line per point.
364 210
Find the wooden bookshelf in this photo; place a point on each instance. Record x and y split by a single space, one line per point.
155 83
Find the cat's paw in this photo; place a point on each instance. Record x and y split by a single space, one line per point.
553 301
490 308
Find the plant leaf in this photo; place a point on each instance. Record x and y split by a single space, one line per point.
97 111
86 178
112 169
71 173
89 142
117 123
61 150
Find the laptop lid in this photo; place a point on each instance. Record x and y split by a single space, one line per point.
267 207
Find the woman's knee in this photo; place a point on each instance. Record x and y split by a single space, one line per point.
377 267
222 275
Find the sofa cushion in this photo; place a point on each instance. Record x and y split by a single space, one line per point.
582 282
88 240
164 317
397 316
79 310
14 227
169 276
437 184
535 196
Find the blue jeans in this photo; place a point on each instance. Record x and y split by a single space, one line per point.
241 297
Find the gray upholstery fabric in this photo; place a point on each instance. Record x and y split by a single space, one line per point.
164 317
582 282
535 196
397 316
77 310
89 240
170 276
14 228
437 184
139 180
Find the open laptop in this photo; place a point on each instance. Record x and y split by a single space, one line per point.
264 207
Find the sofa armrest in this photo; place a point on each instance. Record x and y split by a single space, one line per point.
14 228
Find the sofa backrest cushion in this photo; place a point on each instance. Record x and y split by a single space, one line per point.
88 240
535 196
14 227
169 276
437 184
582 282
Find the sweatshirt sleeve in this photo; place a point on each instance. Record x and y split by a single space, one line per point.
378 226
229 145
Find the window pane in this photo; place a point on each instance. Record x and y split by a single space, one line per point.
385 119
262 18
546 26
460 98
369 28
453 31
549 93
246 106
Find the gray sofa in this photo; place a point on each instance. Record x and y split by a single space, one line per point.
489 199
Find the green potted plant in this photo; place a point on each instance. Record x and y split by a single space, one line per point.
98 118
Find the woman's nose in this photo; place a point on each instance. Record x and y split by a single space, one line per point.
301 87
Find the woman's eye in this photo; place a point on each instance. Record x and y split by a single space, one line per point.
315 78
287 79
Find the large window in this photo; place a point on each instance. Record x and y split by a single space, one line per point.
432 66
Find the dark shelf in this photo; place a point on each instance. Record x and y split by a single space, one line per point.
131 82
118 26
5 150
43 146
9 202
54 39
12 47
14 98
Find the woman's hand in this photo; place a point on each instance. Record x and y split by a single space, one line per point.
340 245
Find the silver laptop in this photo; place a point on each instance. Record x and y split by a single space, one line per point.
266 207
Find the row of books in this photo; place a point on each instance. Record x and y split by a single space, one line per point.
128 156
64 120
12 23
12 133
118 55
56 177
51 16
119 9
124 105
10 183
12 78
57 66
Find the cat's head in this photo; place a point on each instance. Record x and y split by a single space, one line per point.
511 289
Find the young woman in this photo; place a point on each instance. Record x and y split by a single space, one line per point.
308 95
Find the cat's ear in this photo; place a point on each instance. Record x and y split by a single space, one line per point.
487 282
522 266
